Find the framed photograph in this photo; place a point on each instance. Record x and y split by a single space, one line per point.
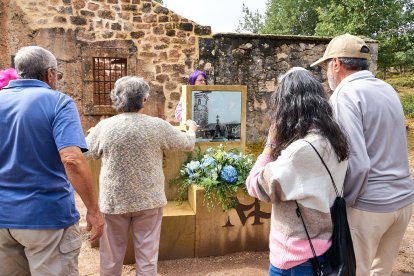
219 110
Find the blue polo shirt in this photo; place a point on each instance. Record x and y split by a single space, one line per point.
35 123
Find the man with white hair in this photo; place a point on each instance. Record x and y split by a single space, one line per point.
41 144
378 186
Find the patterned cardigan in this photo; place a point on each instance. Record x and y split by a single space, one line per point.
131 146
298 174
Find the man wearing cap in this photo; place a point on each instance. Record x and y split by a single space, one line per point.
378 187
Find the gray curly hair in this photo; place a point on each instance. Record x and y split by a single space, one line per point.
129 94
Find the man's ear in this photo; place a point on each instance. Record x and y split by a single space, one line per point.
48 77
336 65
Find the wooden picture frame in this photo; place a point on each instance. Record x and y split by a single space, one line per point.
220 110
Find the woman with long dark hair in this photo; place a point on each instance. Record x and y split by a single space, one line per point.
289 171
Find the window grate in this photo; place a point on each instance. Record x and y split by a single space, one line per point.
106 71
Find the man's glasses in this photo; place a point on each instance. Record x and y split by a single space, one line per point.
59 75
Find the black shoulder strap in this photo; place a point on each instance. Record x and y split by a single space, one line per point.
299 214
314 261
323 162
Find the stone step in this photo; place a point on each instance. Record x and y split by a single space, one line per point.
173 209
177 231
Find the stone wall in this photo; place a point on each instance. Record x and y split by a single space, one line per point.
257 61
161 46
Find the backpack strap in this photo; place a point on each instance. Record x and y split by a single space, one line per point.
299 214
323 162
316 266
315 263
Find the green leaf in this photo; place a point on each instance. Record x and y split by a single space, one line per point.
390 22
216 190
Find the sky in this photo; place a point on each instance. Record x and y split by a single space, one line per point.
226 105
221 15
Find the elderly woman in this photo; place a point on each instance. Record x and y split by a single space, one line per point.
289 171
131 146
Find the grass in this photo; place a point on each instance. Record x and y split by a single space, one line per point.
405 81
405 87
407 100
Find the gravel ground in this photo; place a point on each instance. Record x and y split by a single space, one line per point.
243 263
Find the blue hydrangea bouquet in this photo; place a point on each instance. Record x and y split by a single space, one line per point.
221 173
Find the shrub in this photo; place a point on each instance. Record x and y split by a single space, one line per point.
407 101
221 173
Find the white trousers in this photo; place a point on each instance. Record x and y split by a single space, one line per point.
146 229
377 238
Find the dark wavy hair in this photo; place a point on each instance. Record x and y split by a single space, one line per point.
300 105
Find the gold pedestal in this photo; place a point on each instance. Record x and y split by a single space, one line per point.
191 230
245 228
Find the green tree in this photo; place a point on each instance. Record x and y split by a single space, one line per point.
405 59
159 1
391 22
281 17
388 21
252 22
294 17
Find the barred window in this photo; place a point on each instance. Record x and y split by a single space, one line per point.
103 63
106 70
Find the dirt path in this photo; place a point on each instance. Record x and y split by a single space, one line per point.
244 263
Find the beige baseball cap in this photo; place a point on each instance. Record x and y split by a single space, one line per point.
347 46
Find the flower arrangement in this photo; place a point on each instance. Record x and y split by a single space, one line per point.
220 172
